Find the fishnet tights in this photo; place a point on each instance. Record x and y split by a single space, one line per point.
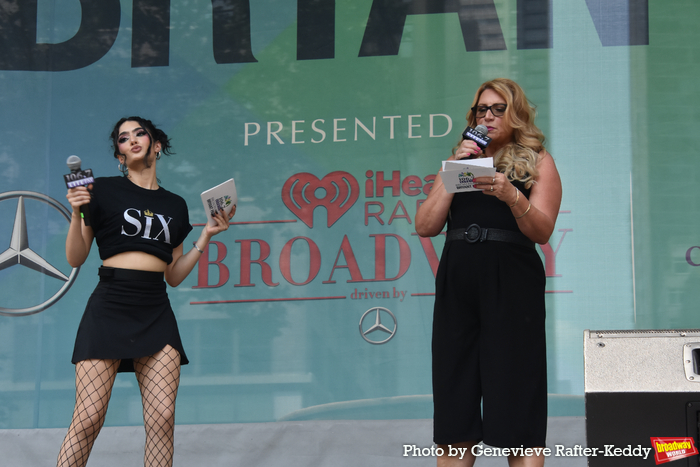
158 376
94 380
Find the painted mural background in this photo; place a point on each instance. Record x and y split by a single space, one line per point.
333 116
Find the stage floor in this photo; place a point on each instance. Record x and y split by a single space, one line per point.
327 443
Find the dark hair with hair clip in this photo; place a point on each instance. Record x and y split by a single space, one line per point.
156 134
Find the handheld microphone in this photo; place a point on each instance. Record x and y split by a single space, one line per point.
76 178
478 135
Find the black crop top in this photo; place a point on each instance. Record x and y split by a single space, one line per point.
126 217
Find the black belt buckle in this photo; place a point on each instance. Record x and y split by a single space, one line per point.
474 234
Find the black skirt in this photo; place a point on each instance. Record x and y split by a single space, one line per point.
128 316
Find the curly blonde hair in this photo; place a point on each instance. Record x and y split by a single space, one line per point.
517 159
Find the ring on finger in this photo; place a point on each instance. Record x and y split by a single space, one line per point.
491 187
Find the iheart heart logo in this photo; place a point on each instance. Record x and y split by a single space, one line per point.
304 192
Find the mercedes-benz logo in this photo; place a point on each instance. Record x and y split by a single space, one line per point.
19 252
377 326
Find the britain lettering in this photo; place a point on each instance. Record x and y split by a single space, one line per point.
232 29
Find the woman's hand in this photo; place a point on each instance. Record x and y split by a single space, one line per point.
77 197
182 264
536 216
498 186
222 222
467 149
79 238
432 213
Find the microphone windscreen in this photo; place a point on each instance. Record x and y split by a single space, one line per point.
73 163
480 128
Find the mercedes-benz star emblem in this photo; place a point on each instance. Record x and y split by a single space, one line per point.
376 313
19 252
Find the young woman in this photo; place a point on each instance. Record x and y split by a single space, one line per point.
488 322
128 324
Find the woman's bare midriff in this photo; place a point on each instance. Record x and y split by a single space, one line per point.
135 260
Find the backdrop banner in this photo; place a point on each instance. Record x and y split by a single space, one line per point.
333 117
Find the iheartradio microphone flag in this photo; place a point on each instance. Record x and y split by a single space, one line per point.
478 135
77 176
672 449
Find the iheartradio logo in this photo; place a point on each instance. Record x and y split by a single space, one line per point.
302 193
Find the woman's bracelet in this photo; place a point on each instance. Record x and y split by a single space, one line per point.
195 245
517 197
526 211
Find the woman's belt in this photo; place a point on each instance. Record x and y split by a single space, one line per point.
474 233
107 273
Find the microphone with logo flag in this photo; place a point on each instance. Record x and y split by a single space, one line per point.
76 178
478 135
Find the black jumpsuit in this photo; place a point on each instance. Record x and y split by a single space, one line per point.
489 333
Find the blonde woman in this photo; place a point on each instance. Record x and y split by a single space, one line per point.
488 323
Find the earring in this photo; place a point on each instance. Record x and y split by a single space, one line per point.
123 169
158 156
